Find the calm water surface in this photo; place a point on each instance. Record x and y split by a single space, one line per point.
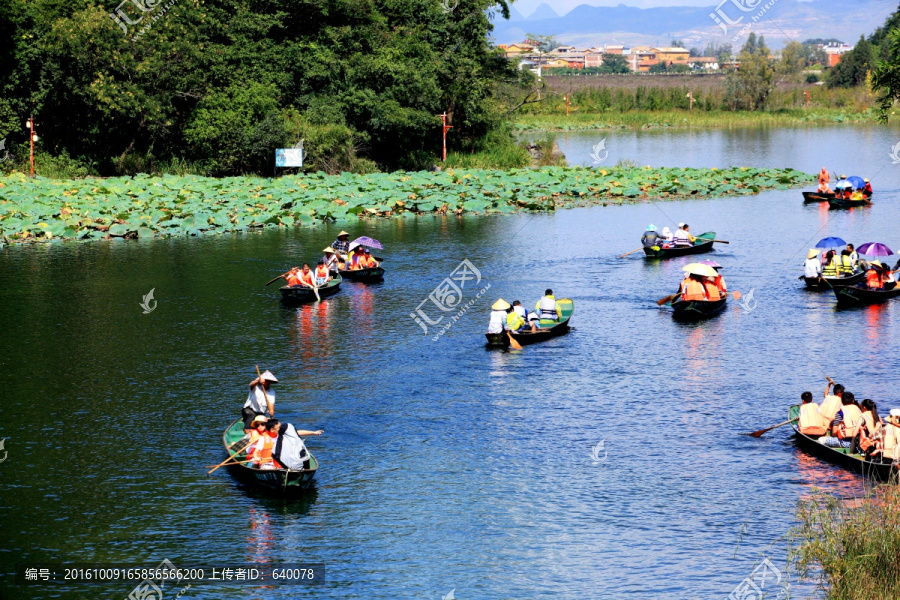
445 465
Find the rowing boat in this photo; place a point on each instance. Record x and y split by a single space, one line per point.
704 243
839 456
695 310
370 275
546 330
275 480
843 203
852 295
824 283
299 294
816 197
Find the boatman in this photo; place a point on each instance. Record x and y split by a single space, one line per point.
867 189
306 276
342 245
331 259
813 265
824 178
498 316
650 237
548 308
261 400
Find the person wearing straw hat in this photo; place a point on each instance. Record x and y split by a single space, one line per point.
260 401
867 189
342 244
498 323
813 265
331 259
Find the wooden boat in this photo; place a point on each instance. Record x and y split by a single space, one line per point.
300 294
370 275
842 203
824 283
852 295
816 197
283 481
703 244
840 456
546 330
695 310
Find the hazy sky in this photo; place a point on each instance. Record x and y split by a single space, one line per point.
526 7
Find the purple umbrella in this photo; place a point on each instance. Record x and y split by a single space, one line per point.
874 249
369 242
711 263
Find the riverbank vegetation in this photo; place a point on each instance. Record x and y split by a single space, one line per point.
853 546
44 209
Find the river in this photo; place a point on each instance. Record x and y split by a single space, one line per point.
605 464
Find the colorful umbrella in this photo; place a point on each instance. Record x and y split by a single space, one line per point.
856 182
874 249
831 242
369 242
710 263
842 184
698 269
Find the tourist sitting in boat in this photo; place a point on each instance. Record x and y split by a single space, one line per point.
260 451
824 178
830 267
306 277
650 237
719 282
867 189
532 319
683 237
845 263
260 401
667 234
810 420
692 289
712 291
854 257
857 195
342 245
354 260
290 450
813 267
368 261
874 279
498 323
846 423
870 430
548 308
331 260
832 402
514 322
887 444
322 273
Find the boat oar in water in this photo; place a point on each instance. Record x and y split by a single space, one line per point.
229 459
759 433
721 242
512 342
277 278
668 299
632 252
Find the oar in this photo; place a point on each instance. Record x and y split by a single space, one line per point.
632 252
316 292
668 299
230 457
757 434
277 278
240 462
512 342
721 242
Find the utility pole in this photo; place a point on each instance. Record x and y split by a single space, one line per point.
446 129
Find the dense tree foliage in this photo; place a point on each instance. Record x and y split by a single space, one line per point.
854 66
222 83
748 87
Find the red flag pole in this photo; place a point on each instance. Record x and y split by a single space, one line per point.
446 128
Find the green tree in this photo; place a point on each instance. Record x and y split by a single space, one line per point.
614 63
886 76
854 66
748 87
793 59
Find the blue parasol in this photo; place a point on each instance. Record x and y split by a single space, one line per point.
856 182
874 249
831 242
368 242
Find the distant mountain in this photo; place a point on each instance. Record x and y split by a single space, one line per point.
783 21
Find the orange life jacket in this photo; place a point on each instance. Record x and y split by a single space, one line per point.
873 279
307 278
262 449
367 262
322 271
693 290
293 279
712 291
810 421
823 177
720 284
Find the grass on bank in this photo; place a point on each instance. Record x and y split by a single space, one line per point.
852 545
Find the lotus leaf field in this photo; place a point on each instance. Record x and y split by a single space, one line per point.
144 206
